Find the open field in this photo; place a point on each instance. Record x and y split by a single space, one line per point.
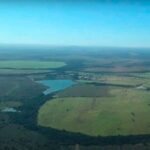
26 64
134 80
117 65
125 80
125 113
85 90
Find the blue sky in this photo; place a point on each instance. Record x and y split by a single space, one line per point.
85 23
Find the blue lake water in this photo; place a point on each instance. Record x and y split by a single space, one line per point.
56 85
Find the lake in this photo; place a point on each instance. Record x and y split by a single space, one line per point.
56 85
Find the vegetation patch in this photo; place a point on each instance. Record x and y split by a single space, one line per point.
125 113
15 104
19 88
26 64
85 90
16 137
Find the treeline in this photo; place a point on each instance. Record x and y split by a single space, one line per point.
69 138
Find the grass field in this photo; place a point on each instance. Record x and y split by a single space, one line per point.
125 80
130 79
24 64
85 90
126 112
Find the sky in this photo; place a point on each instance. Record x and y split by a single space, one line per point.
119 23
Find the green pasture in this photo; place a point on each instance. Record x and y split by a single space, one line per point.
126 112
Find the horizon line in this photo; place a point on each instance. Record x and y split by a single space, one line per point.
72 45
